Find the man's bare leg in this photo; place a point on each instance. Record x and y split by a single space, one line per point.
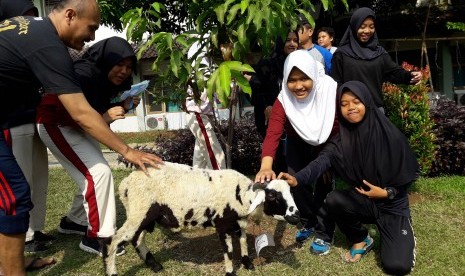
12 254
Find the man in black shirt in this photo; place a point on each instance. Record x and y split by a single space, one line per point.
28 149
33 54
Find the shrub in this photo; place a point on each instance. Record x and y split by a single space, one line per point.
246 147
449 129
407 106
178 146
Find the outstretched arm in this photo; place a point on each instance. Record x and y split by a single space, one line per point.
93 123
309 174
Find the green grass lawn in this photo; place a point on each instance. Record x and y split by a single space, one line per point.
438 214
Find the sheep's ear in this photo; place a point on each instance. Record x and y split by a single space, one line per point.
258 185
259 199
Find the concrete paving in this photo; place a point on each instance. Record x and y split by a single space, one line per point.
109 155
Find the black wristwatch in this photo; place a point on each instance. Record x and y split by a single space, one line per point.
390 192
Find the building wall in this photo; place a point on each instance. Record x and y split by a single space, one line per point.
165 121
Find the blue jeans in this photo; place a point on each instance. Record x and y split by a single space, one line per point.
15 195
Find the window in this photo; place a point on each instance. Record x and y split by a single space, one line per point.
151 105
160 93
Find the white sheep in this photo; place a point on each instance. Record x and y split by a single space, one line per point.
177 196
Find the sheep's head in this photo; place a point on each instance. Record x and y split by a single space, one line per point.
277 201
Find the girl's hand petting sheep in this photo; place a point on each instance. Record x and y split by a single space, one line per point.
291 180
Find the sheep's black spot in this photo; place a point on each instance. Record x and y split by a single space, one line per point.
189 214
194 223
237 230
104 243
135 239
210 178
209 213
207 224
274 204
126 193
228 222
186 223
148 224
238 195
161 214
191 168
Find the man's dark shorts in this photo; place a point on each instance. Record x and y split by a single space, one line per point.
15 196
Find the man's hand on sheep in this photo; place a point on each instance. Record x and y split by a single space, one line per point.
140 159
291 180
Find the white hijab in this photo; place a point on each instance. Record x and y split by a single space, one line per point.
312 117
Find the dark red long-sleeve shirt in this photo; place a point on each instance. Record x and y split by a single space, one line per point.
277 125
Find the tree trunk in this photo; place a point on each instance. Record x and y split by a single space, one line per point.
231 122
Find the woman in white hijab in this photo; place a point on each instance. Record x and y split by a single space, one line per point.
305 110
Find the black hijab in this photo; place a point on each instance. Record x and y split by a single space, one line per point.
269 71
373 149
351 46
12 8
278 55
93 68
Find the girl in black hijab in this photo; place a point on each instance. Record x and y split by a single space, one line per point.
94 69
104 71
375 159
360 57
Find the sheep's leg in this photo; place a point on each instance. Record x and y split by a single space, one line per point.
138 241
226 243
124 234
245 260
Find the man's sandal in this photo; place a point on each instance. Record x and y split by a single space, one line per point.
362 252
38 263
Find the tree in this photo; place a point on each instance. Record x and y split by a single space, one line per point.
229 30
113 10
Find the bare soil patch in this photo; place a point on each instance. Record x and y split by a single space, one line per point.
202 246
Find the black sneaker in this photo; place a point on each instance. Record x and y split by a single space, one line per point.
66 227
34 247
93 246
42 237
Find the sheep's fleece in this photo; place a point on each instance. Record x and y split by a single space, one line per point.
177 196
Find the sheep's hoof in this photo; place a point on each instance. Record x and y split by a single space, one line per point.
152 263
156 267
245 260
